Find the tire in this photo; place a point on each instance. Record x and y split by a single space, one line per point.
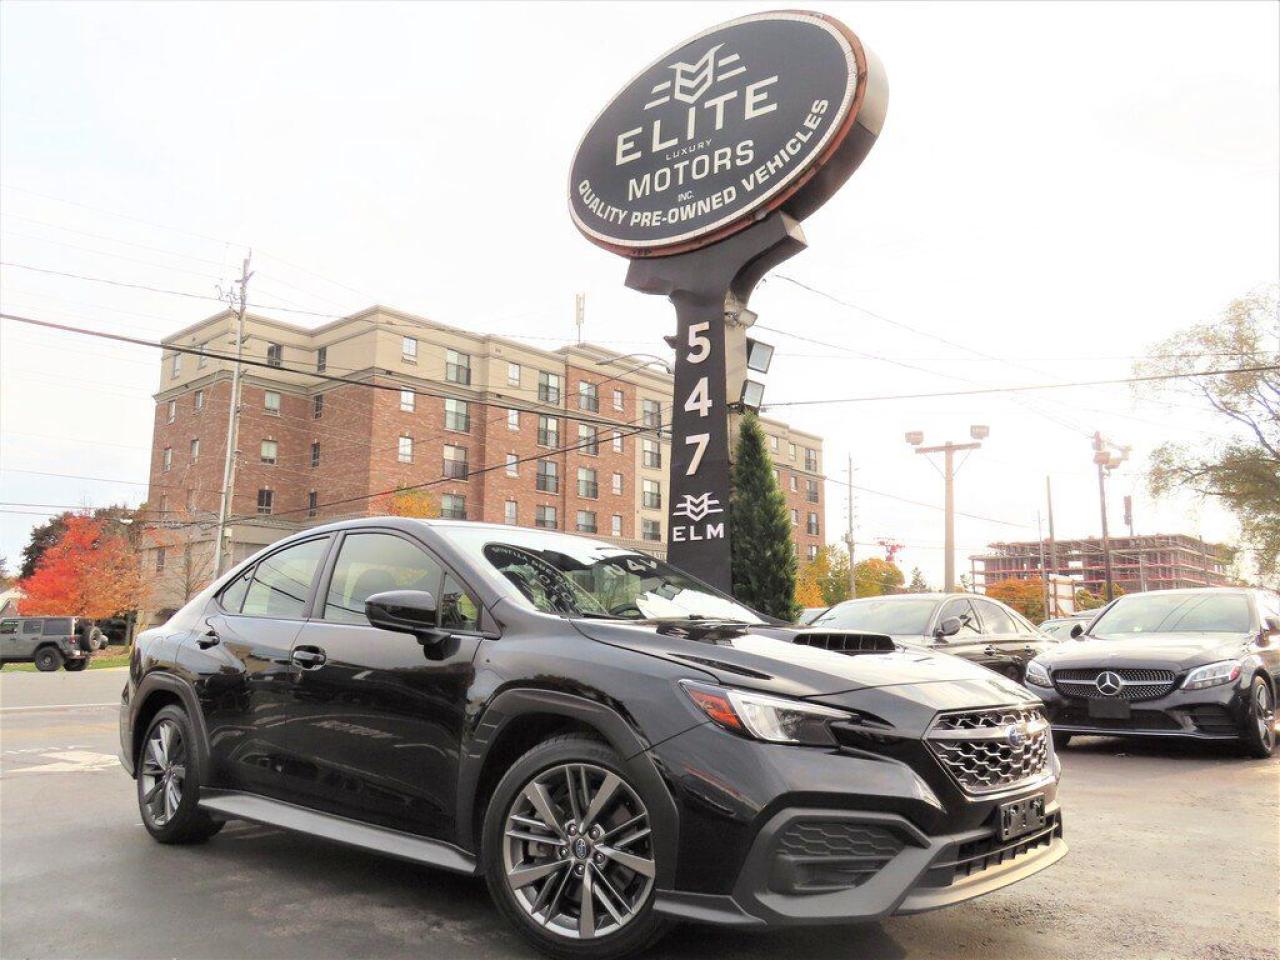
169 781
1260 725
547 909
75 666
1060 740
48 659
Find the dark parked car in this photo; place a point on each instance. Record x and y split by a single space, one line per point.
1175 663
606 740
48 642
1060 627
963 624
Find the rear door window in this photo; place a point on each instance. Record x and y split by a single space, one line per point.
282 582
995 620
57 627
32 626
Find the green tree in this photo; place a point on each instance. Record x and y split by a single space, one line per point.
1087 600
876 577
918 583
1241 468
43 536
835 581
764 557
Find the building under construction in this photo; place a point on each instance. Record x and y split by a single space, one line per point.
1153 562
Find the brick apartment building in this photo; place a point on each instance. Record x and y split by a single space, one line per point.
482 417
1156 561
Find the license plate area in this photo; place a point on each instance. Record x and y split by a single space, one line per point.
1109 709
1021 816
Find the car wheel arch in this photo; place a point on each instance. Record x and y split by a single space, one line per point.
153 694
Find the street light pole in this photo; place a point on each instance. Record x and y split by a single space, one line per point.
1106 460
233 421
948 450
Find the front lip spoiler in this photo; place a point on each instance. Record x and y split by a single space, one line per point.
1110 732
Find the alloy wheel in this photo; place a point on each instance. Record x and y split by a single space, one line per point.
1264 714
577 851
164 759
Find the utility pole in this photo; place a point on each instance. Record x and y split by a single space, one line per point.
1142 560
1044 574
949 450
848 537
240 301
579 313
1053 549
1107 457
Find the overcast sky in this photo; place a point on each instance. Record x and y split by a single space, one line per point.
1057 186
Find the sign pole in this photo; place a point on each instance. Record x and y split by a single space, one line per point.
709 288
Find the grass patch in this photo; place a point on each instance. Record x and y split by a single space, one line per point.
109 658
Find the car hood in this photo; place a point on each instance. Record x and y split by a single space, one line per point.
1173 651
763 658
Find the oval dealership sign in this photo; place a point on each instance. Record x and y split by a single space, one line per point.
773 110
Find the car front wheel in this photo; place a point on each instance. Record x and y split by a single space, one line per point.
569 854
48 660
169 781
1260 725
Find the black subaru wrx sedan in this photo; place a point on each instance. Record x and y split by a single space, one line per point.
612 744
1174 663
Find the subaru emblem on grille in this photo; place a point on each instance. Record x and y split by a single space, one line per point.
1016 734
1108 683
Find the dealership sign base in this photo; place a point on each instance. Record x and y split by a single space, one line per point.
699 171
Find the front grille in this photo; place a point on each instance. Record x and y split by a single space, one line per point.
1137 720
846 642
1136 684
989 750
814 856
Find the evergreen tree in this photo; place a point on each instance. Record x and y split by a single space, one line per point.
764 557
918 583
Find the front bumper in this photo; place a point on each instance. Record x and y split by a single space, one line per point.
1214 713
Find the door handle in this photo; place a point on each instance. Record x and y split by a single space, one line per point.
209 638
308 658
990 651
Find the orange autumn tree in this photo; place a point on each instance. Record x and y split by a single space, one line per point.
410 502
89 572
808 589
1025 596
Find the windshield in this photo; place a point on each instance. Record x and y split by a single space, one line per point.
1174 613
894 617
579 577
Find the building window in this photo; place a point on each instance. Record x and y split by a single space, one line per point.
322 359
315 453
199 400
813 552
175 367
586 521
548 387
317 406
270 450
164 504
651 413
619 400
513 419
404 449
548 432
275 354
588 440
773 444
791 450
202 358
455 462
407 401
271 403
513 374
409 350
265 501
588 397
777 477
513 465
159 559
548 476
651 530
795 483
195 449
168 458
171 411
587 486
616 442
811 491
811 459
457 367
795 517
615 525
811 527
617 483
650 495
456 416
312 504
511 512
544 516
453 507
651 455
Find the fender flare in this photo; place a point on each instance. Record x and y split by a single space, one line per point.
157 681
511 704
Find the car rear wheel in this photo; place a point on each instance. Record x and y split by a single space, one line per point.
48 659
569 854
169 781
1260 725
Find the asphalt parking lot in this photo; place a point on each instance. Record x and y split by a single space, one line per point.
1175 852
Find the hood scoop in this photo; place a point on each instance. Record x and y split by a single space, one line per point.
845 641
705 630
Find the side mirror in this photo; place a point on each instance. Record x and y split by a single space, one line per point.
406 611
949 627
1077 631
1270 628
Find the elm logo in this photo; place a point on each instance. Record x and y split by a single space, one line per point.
697 509
692 80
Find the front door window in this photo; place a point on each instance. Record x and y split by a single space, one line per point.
370 563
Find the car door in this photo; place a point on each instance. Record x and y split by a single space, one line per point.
31 632
10 638
241 655
1007 643
379 713
968 643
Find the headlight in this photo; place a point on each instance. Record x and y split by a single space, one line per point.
1037 675
1210 675
776 719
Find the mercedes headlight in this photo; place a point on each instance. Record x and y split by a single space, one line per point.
1212 674
775 719
1037 675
